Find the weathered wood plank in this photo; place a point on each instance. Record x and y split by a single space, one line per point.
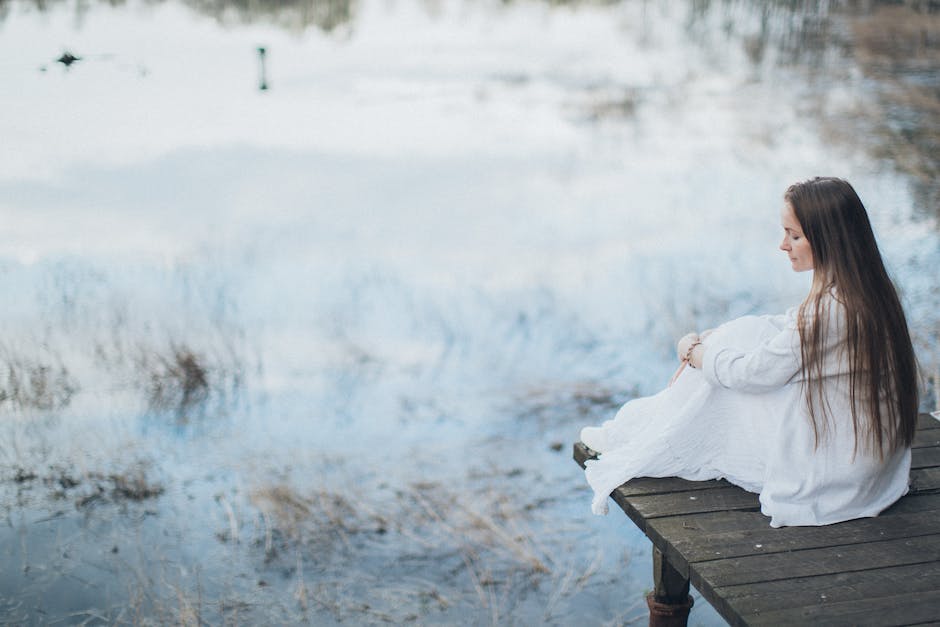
901 609
714 522
927 437
694 501
698 546
926 421
645 486
757 568
914 503
624 502
925 480
664 532
642 509
675 533
826 589
582 453
925 457
719 522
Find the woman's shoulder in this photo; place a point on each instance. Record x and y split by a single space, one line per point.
828 307
826 304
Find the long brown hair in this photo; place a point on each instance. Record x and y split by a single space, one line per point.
883 387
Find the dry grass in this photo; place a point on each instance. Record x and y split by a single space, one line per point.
172 378
175 380
491 523
898 38
481 546
175 341
36 381
320 520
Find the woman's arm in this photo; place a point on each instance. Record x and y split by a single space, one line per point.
771 365
778 320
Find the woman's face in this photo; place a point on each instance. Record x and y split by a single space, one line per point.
794 242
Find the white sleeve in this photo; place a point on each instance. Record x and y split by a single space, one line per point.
772 364
778 320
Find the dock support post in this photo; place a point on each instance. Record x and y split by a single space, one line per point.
670 601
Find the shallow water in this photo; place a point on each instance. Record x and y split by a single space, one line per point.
318 352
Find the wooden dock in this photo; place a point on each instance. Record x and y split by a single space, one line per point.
871 571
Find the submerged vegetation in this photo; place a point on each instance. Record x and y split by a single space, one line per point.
484 546
176 380
91 337
421 552
34 379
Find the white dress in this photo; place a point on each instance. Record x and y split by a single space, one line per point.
742 417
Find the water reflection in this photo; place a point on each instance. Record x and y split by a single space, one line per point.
899 47
294 15
896 46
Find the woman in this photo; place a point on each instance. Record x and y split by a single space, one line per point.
815 409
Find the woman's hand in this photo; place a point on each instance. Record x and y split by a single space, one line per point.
689 350
696 355
685 343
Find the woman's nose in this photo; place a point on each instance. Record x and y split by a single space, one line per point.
784 245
